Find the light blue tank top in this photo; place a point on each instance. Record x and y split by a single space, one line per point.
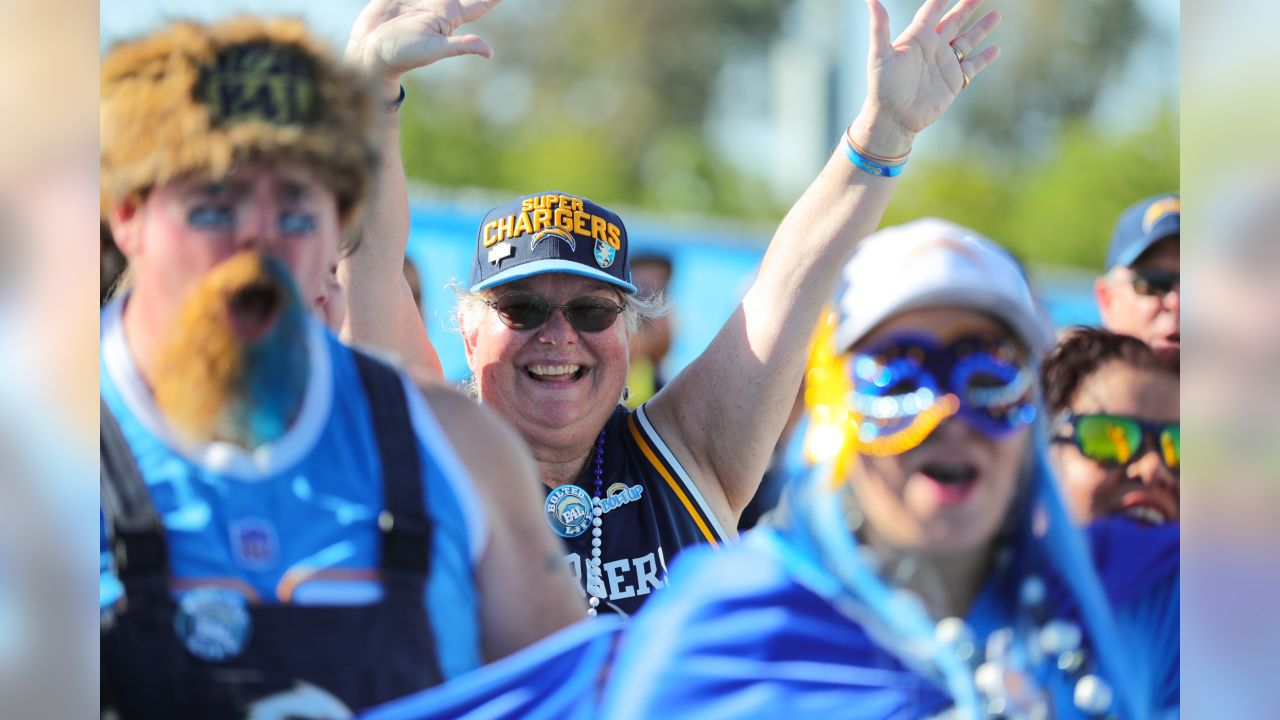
296 520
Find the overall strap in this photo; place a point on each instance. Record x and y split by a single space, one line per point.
406 531
134 528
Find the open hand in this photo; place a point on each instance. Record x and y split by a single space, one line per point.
912 81
392 37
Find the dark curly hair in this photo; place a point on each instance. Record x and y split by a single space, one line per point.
1082 351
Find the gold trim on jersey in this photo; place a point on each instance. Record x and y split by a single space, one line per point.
658 465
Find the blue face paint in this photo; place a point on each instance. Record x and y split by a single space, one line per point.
222 218
296 222
277 367
905 374
212 217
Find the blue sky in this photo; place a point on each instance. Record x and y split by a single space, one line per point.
122 19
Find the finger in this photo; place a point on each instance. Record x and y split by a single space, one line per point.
475 8
880 40
954 20
976 64
369 17
366 23
930 13
467 45
976 33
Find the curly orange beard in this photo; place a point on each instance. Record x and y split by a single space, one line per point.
214 383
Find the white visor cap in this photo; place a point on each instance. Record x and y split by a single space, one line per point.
933 263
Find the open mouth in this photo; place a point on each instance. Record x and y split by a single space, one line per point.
254 309
1144 511
561 374
954 480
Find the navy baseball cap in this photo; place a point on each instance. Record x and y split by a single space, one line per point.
1141 226
551 232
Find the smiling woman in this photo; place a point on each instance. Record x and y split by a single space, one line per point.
950 494
548 353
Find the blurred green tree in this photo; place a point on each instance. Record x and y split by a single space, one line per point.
606 98
1060 58
609 99
1057 207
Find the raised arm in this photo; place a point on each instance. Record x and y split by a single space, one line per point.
388 39
724 412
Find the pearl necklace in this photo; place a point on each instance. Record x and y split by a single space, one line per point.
595 579
1004 675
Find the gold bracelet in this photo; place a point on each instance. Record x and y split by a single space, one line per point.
848 137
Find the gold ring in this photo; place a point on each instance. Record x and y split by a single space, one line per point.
964 84
959 53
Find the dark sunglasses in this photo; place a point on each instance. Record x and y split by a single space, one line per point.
1154 282
1117 440
588 313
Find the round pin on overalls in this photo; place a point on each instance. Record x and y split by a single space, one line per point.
213 623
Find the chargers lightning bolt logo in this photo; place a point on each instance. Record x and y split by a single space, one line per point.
553 233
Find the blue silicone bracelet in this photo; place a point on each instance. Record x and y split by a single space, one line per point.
869 165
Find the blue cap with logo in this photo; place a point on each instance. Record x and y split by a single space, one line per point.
551 232
1143 225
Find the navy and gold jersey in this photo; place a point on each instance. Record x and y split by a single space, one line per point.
652 511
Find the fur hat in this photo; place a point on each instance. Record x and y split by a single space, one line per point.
201 99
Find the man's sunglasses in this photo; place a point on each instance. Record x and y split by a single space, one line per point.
1154 282
1117 440
589 314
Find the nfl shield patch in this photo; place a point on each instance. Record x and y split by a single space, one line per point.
254 543
604 253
